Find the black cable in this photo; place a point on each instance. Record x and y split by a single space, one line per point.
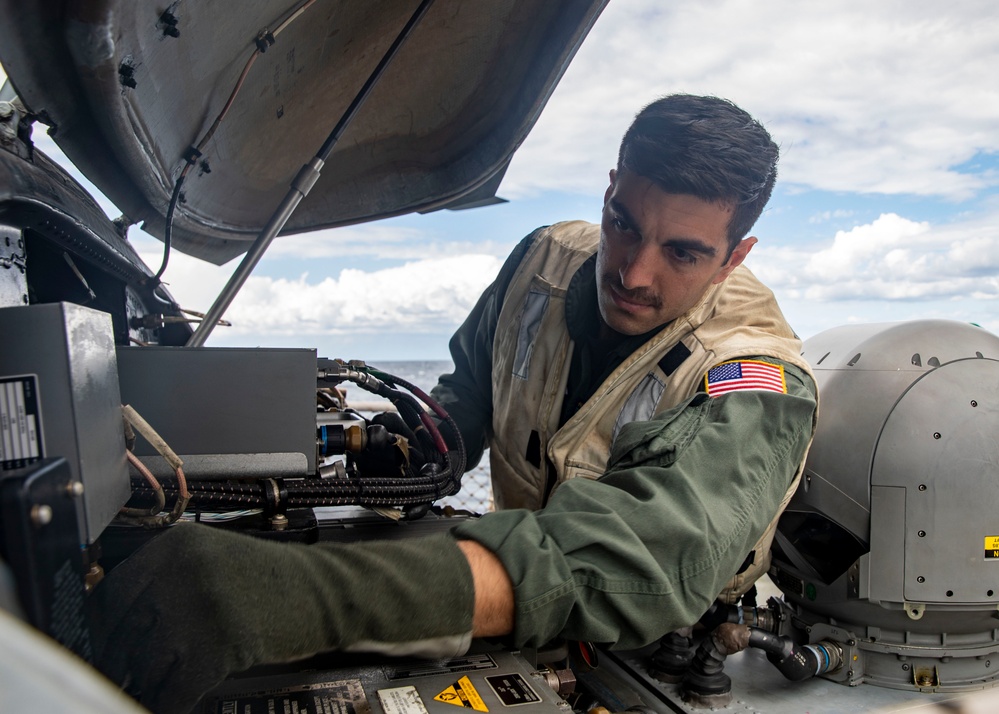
458 464
168 228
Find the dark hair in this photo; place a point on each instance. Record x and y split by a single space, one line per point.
707 147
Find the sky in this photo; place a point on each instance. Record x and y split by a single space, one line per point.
886 207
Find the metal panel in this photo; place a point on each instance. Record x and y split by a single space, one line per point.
130 97
939 445
67 351
887 544
483 681
209 401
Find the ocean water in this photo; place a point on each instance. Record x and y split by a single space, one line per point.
476 485
422 373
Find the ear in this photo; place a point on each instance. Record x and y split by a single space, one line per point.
610 188
735 260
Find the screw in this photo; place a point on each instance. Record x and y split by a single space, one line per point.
922 534
920 579
974 403
922 487
936 435
279 521
905 668
74 489
41 515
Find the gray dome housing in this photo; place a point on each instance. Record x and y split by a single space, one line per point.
893 535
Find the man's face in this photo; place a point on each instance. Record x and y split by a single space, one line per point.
659 253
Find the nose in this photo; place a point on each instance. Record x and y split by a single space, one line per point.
639 269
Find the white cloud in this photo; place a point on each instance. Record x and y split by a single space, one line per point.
869 97
891 258
431 295
376 240
824 216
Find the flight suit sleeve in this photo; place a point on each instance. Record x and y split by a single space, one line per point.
646 548
467 393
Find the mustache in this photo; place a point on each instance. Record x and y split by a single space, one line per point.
643 296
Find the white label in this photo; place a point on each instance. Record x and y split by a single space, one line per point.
20 422
401 700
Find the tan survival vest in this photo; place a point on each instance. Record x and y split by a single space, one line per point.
532 353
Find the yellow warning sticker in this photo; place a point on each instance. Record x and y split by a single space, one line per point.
992 547
463 694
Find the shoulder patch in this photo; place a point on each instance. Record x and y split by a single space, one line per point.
744 374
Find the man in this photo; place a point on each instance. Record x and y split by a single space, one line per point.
647 414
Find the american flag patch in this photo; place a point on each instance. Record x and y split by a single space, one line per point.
744 374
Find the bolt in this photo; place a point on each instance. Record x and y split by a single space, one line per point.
41 515
279 521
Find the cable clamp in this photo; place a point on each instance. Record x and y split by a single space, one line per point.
192 155
264 40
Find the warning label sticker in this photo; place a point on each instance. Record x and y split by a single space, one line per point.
401 700
512 689
20 422
992 547
463 694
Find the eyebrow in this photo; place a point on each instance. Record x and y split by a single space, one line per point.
693 245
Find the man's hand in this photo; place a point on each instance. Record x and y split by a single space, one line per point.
197 604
